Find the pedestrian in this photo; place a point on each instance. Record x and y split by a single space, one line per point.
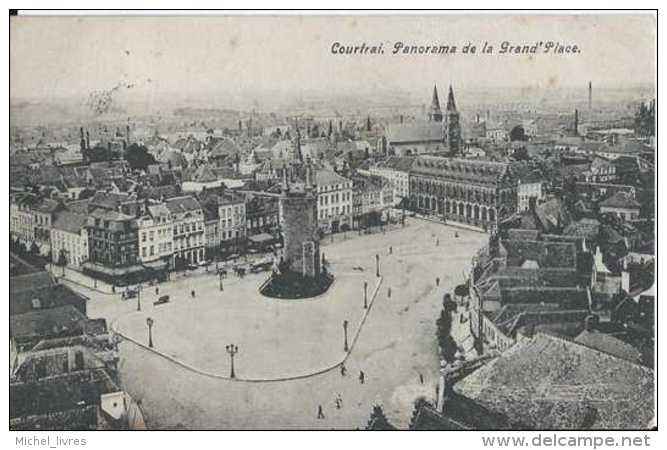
421 378
157 290
193 293
390 250
362 377
338 403
343 370
437 281
456 234
320 413
437 242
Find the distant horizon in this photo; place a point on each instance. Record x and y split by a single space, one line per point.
152 56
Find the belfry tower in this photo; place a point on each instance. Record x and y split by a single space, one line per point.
435 113
452 125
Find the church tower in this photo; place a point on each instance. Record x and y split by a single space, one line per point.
435 113
452 125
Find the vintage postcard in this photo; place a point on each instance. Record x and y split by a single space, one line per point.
333 221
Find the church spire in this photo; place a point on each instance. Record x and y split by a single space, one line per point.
435 113
451 103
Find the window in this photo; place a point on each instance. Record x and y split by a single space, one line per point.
143 237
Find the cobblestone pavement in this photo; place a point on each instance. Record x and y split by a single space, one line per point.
396 344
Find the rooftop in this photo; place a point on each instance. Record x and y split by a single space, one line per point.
549 382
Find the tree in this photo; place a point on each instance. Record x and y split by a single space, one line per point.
645 120
518 134
137 157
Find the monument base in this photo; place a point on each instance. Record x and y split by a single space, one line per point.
292 285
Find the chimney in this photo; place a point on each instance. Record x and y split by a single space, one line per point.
127 133
87 140
576 122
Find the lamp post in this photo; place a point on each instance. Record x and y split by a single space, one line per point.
232 350
139 298
150 323
365 294
377 265
345 347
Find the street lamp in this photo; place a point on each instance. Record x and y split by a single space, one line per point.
377 265
139 298
345 347
232 350
365 294
150 322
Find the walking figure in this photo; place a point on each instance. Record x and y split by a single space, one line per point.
437 242
421 378
343 370
193 293
320 413
391 250
456 234
437 281
338 402
157 290
362 377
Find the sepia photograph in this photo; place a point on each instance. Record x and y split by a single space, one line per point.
332 221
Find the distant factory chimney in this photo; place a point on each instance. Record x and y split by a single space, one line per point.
127 134
576 122
590 96
83 140
87 140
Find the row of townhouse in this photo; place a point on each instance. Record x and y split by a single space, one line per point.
118 237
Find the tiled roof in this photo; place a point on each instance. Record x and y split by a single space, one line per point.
70 222
620 200
547 254
552 383
178 205
328 178
50 322
35 280
415 132
608 344
469 169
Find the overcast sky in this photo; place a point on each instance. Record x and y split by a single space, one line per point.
65 56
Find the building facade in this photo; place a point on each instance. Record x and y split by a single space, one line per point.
334 200
69 239
396 170
112 239
187 229
472 192
155 235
